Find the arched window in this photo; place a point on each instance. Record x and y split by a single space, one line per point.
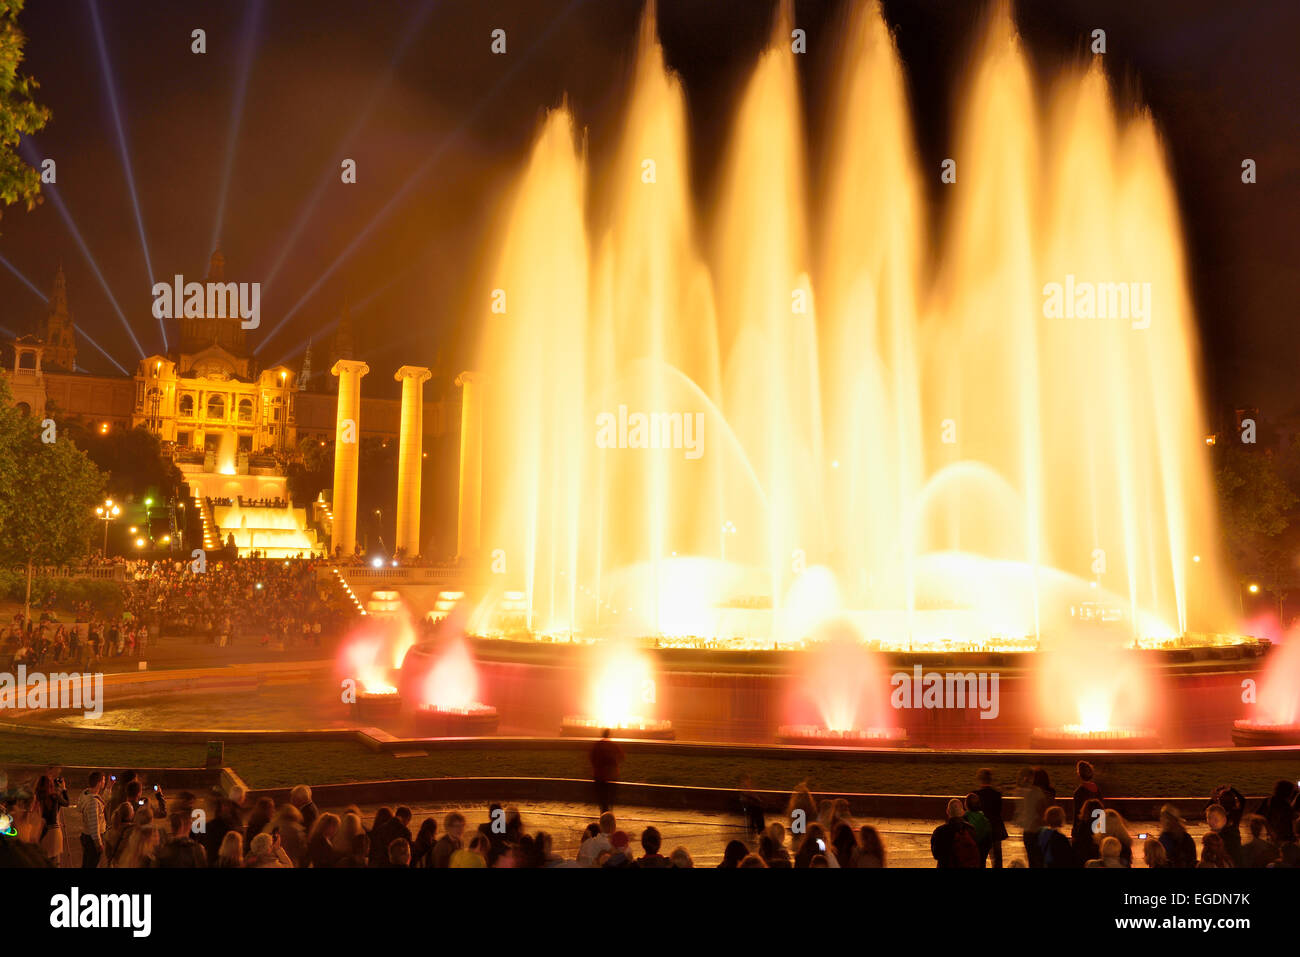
187 405
216 407
245 410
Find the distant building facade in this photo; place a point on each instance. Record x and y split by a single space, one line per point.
209 395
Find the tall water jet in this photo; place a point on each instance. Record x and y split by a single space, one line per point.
972 436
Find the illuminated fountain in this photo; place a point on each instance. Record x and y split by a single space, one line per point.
722 429
1095 689
275 532
447 702
439 678
1276 718
621 695
848 689
372 655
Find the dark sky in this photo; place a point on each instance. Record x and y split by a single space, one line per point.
439 126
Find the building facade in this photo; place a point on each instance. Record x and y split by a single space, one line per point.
209 395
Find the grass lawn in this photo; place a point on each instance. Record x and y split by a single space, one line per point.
283 765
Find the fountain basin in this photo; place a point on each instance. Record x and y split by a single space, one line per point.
1072 737
576 726
472 721
1257 734
377 705
860 737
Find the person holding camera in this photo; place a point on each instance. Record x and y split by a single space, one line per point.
50 798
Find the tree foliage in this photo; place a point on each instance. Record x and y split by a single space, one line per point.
48 493
20 115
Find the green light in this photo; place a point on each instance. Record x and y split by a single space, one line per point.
148 502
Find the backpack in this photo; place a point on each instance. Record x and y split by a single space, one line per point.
965 852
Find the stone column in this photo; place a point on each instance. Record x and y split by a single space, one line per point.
347 438
410 463
471 464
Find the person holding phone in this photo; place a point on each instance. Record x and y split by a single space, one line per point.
50 798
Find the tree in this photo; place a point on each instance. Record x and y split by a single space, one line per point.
133 459
1257 506
48 493
20 115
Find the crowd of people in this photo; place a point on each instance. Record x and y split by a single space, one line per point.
43 643
125 822
1098 836
261 599
246 502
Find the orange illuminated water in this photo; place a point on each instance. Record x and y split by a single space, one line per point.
895 430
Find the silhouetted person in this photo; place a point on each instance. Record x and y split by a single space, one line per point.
1279 811
751 806
606 756
1180 848
953 843
991 804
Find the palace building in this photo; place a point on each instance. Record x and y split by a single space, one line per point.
231 426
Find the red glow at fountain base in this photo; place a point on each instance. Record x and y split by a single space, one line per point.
1259 734
377 705
860 737
648 729
471 721
1073 737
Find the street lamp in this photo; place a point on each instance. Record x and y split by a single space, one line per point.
107 512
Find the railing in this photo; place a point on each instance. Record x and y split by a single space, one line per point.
111 573
412 574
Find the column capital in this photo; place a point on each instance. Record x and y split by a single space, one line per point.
418 373
469 376
350 365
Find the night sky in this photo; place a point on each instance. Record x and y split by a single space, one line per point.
439 127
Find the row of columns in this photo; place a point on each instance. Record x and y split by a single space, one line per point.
410 455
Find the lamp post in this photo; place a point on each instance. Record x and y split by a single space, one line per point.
107 512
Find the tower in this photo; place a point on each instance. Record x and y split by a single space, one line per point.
305 375
57 331
343 344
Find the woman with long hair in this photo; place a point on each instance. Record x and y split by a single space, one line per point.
1213 852
320 849
231 852
1117 828
734 853
422 846
870 851
141 846
345 841
49 799
1180 848
843 843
